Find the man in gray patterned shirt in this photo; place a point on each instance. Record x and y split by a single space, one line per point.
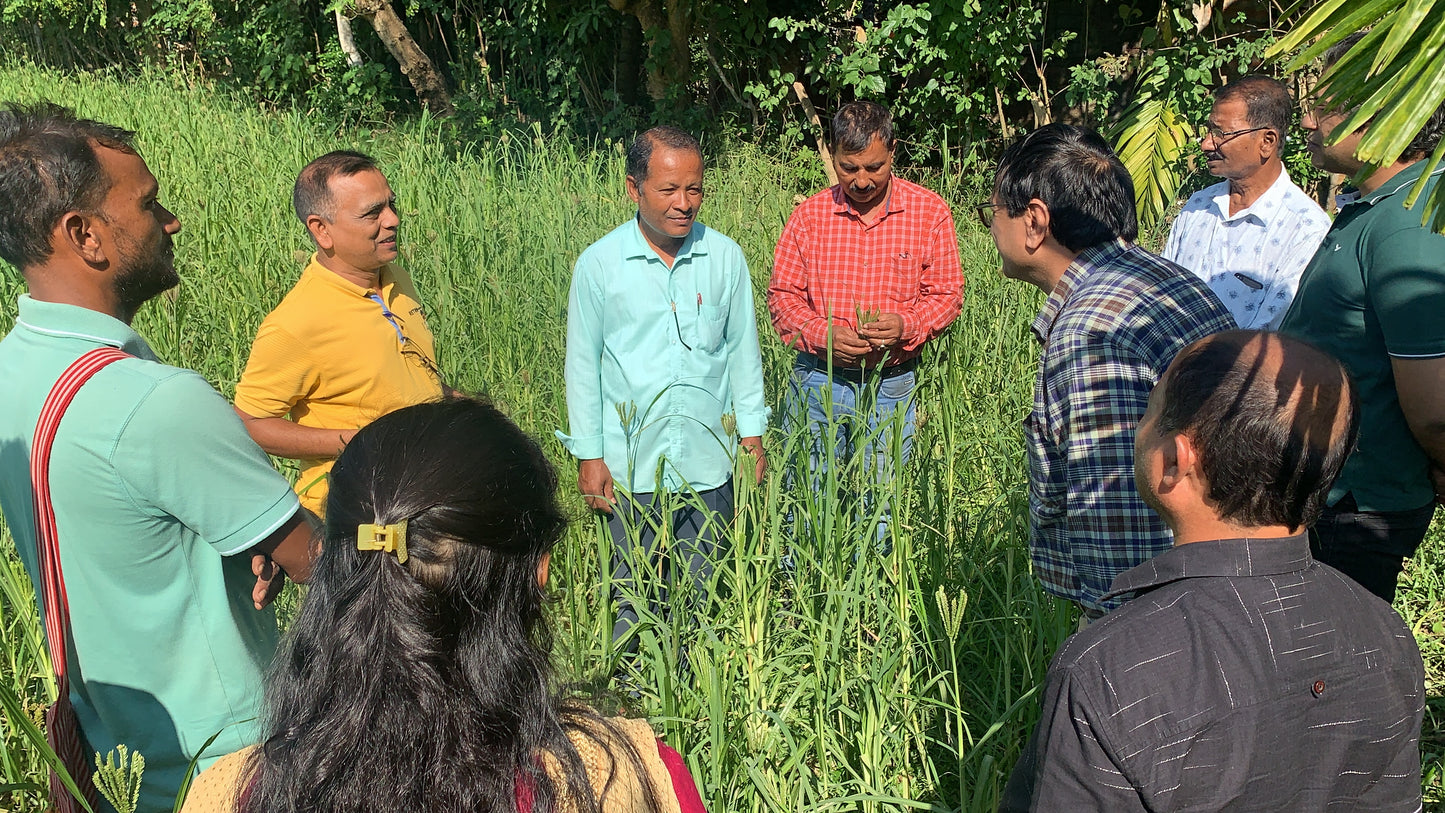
1243 675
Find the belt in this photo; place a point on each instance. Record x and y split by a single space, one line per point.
810 361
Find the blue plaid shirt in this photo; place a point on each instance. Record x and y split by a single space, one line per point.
1109 329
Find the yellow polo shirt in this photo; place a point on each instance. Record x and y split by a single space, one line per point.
331 357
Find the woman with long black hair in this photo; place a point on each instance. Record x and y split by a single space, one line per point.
417 674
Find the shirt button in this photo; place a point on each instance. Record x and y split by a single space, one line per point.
1318 689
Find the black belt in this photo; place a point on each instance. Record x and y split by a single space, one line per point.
810 361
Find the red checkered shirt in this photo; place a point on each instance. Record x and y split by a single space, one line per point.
829 266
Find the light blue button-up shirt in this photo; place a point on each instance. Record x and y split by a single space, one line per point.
656 356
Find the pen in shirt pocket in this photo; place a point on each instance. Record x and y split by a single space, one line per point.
699 303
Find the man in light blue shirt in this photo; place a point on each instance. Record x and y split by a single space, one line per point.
664 375
1250 236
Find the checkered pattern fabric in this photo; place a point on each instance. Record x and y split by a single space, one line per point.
1109 330
829 265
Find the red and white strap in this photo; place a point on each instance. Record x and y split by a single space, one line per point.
47 541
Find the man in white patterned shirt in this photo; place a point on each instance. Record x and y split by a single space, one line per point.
1250 236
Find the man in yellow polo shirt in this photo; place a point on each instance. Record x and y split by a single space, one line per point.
349 343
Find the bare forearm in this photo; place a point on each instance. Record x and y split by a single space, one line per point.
1420 386
284 438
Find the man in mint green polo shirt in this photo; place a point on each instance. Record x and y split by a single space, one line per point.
662 346
1374 297
170 519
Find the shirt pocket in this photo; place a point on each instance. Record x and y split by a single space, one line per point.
905 272
711 327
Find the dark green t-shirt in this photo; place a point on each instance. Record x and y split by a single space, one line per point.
1375 290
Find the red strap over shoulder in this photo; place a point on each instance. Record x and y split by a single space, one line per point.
47 542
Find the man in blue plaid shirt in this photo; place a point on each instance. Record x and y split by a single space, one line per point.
1062 216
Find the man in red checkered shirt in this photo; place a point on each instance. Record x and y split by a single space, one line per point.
865 273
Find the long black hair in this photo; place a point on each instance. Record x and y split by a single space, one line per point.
426 685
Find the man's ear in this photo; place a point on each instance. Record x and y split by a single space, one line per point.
1036 224
320 232
1181 461
78 233
1271 144
634 189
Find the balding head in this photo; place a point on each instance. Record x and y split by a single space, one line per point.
1271 420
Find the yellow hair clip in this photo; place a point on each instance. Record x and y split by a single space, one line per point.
390 538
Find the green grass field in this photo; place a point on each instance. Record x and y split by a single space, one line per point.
905 681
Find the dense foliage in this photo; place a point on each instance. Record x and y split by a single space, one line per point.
961 73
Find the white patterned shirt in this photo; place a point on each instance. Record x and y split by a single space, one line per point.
1252 259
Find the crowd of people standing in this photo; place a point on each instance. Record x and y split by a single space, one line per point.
1232 449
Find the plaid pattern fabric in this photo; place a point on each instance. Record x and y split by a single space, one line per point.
1109 330
829 264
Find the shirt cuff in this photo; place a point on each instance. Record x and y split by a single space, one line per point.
753 424
815 335
909 334
582 448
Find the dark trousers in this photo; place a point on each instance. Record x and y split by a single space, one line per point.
694 527
1369 546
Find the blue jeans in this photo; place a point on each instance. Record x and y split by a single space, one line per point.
850 413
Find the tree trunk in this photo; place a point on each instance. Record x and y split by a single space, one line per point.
671 62
348 42
823 152
627 65
430 87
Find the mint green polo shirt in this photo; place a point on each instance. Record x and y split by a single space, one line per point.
1375 290
159 495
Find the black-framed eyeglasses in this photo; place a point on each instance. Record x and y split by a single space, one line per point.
985 213
1219 137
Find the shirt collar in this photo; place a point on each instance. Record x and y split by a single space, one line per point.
328 277
1088 260
843 205
639 249
1402 181
1275 193
75 322
1218 557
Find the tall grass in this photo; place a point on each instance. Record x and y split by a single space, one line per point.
859 680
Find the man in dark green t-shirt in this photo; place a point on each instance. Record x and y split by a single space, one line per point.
1374 296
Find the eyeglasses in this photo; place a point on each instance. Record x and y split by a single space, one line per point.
1219 137
985 213
408 348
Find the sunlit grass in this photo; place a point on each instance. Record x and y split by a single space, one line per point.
858 681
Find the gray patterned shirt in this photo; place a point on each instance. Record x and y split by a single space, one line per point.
1244 676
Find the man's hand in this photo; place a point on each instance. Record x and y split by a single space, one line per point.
883 333
754 446
595 483
286 552
848 347
270 579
